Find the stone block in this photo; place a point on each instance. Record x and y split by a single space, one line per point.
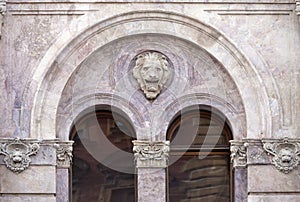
45 156
151 185
273 198
26 198
35 179
266 178
257 155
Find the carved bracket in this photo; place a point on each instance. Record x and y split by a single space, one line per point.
151 154
238 153
17 153
285 153
297 7
64 154
2 12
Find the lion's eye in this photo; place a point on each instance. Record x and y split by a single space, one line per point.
145 68
158 69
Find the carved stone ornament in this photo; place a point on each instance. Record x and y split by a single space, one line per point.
238 153
151 71
285 153
64 154
151 154
2 12
298 7
17 153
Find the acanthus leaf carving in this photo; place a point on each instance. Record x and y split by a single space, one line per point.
238 154
17 153
64 154
151 154
285 153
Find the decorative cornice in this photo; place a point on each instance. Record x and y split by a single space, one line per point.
2 12
238 153
297 7
64 154
17 152
151 154
285 153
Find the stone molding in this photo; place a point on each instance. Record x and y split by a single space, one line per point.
238 154
17 152
64 154
151 154
2 12
297 7
285 153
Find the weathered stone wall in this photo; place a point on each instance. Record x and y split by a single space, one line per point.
59 58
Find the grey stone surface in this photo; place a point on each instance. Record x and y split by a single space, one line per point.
274 197
27 198
62 185
240 185
34 180
266 178
241 57
151 185
257 155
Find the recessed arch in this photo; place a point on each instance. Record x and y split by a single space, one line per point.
234 117
200 168
94 102
61 60
102 167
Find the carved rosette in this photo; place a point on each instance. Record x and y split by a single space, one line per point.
151 154
17 153
238 155
64 154
285 153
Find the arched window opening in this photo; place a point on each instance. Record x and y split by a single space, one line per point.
200 169
99 173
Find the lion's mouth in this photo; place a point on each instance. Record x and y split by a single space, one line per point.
152 85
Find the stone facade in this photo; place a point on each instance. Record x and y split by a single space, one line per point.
61 58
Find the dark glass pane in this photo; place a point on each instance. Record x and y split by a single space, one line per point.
91 180
199 128
199 180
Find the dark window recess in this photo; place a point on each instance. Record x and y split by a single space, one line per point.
200 169
91 181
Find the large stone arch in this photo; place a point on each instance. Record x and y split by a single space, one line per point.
60 61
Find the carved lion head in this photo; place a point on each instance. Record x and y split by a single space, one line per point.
151 71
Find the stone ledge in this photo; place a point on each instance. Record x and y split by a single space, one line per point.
27 198
274 197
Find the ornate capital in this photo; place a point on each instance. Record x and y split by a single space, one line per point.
238 153
2 7
2 12
285 153
64 154
17 153
151 154
297 7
